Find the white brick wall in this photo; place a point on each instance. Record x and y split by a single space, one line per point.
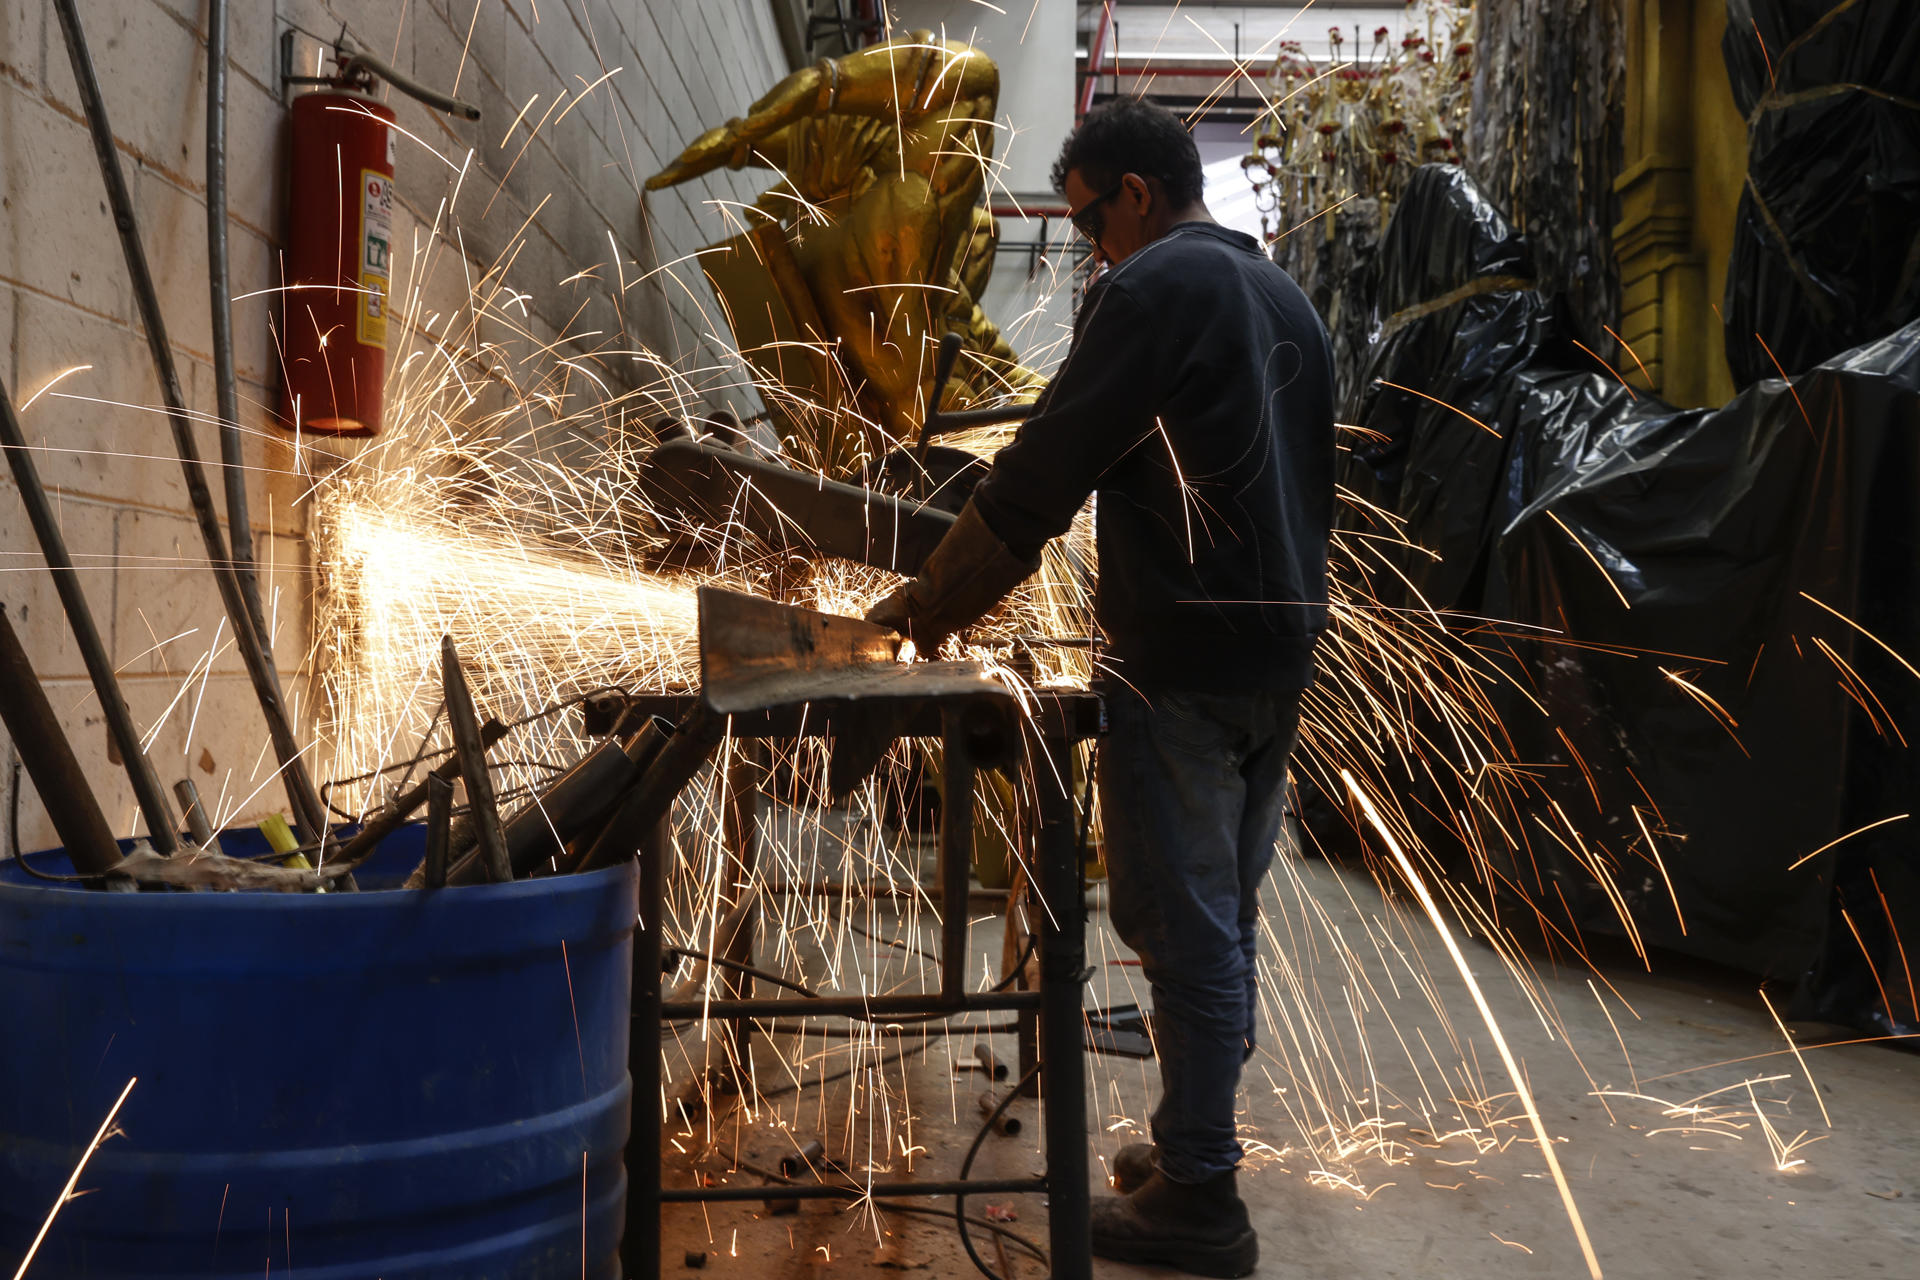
64 298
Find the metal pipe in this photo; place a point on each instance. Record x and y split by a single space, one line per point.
44 749
997 1118
940 424
576 802
305 801
403 806
1095 51
66 580
942 373
199 826
880 1007
233 459
810 1158
471 752
878 1190
651 799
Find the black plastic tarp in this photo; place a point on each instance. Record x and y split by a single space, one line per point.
1702 583
1827 242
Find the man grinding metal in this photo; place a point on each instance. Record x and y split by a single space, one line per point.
1196 402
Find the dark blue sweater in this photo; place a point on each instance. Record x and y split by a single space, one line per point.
1197 400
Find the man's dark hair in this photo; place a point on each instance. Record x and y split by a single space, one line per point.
1133 135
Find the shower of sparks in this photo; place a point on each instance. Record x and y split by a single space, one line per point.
1514 1073
500 506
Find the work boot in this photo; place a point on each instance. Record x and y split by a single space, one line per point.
1132 1166
1199 1228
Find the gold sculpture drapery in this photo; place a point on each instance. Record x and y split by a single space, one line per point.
874 243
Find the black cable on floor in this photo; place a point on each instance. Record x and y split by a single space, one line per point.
966 1167
858 1192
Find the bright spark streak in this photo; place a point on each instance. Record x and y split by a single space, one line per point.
1898 817
1437 400
1588 551
53 382
1486 1015
66 1192
1788 1037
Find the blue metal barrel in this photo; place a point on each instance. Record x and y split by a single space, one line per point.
395 1085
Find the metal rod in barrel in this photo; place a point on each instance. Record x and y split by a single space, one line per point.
1063 956
49 759
471 752
147 791
392 816
308 811
439 829
651 799
194 810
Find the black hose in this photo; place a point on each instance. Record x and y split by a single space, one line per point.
308 812
742 967
966 1166
898 1206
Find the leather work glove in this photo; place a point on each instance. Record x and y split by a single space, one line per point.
967 574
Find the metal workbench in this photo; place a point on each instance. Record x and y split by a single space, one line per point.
778 673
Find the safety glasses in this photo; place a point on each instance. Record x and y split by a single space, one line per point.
1090 219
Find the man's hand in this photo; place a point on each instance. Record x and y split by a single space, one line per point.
891 612
898 612
968 573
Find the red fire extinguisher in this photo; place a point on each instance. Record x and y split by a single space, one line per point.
339 260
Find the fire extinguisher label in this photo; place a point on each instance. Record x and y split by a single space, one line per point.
376 254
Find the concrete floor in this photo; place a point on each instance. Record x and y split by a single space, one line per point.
1659 1090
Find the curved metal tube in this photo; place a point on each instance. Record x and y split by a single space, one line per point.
352 59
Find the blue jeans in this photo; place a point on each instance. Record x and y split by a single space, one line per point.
1192 793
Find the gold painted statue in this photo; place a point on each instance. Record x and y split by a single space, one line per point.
875 243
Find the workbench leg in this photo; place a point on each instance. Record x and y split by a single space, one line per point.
1020 917
1063 957
746 777
640 1241
956 850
